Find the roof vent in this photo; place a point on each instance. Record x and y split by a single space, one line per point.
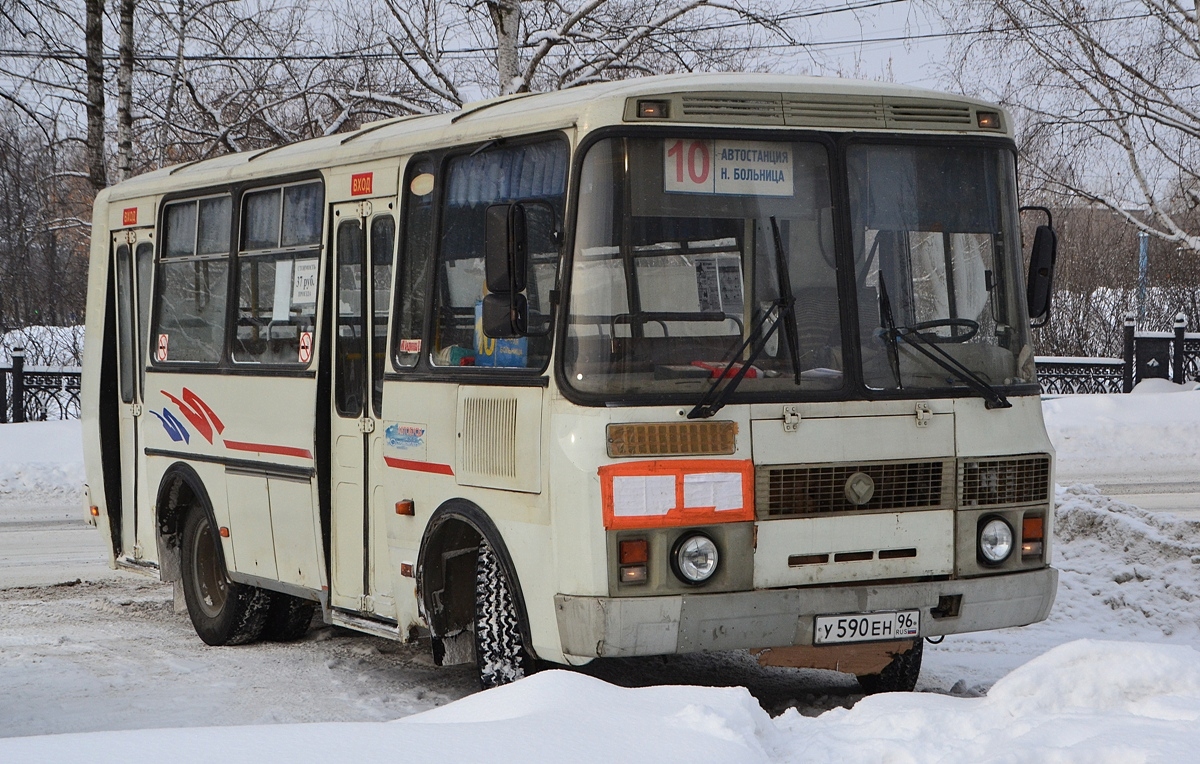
834 112
763 109
928 114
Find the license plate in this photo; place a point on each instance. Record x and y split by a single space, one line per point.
866 627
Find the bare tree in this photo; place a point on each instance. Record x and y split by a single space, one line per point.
462 50
1105 93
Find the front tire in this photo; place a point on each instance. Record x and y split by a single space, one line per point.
222 612
500 654
898 676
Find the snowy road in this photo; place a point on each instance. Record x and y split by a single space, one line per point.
111 654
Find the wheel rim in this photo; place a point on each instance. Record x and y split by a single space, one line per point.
209 584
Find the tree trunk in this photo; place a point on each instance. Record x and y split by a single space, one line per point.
125 91
94 63
506 18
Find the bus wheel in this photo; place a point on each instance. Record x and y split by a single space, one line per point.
898 676
287 618
223 613
500 654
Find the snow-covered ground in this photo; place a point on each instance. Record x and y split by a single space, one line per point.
1112 676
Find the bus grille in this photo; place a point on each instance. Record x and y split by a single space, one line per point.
1020 480
818 489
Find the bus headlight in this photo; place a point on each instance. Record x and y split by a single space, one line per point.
694 558
995 540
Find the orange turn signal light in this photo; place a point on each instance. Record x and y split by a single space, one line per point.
987 120
406 569
634 552
95 511
654 109
406 507
1033 529
224 532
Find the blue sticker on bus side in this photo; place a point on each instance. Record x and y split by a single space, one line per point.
403 437
173 426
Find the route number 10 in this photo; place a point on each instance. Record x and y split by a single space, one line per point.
688 166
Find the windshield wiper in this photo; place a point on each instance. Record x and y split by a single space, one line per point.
993 398
782 309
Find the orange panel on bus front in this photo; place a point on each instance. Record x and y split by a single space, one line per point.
669 493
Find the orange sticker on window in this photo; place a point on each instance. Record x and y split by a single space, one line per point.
362 183
129 216
666 493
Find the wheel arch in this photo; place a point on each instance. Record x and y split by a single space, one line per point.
179 491
454 530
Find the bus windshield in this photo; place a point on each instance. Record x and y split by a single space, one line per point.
675 265
937 265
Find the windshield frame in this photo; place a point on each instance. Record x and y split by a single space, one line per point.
835 144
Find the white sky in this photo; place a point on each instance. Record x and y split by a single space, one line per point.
915 63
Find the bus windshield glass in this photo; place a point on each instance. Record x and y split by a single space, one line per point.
675 264
937 266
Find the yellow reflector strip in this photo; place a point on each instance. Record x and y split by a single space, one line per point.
672 439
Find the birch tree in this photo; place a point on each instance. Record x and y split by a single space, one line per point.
1107 97
1108 108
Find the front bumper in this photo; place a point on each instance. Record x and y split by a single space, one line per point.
615 627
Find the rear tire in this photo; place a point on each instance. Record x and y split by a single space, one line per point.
222 612
500 654
288 618
898 676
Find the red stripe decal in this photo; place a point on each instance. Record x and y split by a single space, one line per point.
405 464
264 448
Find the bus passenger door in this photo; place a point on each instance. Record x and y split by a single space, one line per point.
133 260
364 233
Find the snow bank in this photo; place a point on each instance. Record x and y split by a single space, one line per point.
1143 567
1152 438
1087 701
41 463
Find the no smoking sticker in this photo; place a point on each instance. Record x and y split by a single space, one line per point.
305 347
161 353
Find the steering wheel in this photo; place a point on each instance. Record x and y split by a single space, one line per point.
972 328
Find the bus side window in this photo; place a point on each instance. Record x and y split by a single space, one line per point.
277 274
416 253
127 337
192 278
383 241
534 173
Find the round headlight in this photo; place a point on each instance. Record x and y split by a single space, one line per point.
694 559
995 541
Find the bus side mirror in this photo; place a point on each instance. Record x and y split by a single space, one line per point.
505 315
1040 286
505 248
505 308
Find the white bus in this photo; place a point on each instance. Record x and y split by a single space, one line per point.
687 363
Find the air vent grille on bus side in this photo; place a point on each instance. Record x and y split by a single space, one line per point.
819 489
753 109
830 112
489 434
994 482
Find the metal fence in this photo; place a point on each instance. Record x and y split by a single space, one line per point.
35 394
1172 355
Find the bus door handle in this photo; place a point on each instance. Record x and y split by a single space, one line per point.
366 424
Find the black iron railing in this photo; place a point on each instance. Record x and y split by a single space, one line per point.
1172 355
35 394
